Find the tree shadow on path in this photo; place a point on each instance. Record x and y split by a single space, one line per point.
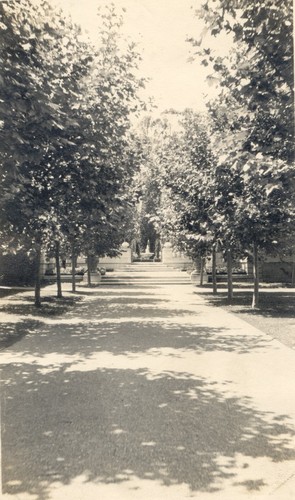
75 403
118 423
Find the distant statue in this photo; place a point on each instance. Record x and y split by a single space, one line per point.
147 248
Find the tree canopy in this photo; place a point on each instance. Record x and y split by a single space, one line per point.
66 149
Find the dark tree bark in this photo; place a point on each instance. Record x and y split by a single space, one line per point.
57 265
229 275
214 274
38 275
73 259
89 269
255 299
202 271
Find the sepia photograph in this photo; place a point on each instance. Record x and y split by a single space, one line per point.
147 250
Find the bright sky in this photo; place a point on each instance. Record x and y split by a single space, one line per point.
161 28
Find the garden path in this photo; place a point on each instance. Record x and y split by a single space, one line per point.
142 390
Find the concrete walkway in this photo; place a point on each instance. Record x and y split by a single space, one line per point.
143 391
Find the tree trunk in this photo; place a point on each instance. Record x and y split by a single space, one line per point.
255 299
73 258
57 265
202 271
214 274
229 275
88 270
38 276
293 274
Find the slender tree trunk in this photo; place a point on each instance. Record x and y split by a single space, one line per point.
214 274
38 276
88 269
57 265
202 271
293 274
255 299
73 258
229 275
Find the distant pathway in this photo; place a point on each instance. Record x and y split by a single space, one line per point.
141 390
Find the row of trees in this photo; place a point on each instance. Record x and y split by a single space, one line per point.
253 123
67 151
227 179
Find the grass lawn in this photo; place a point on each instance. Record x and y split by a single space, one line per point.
274 316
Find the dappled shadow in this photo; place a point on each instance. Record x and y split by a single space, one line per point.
91 392
20 316
14 332
6 291
50 306
129 337
124 325
113 292
274 303
138 309
116 424
136 288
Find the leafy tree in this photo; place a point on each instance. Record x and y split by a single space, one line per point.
39 53
183 163
258 73
253 134
109 155
147 188
65 116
